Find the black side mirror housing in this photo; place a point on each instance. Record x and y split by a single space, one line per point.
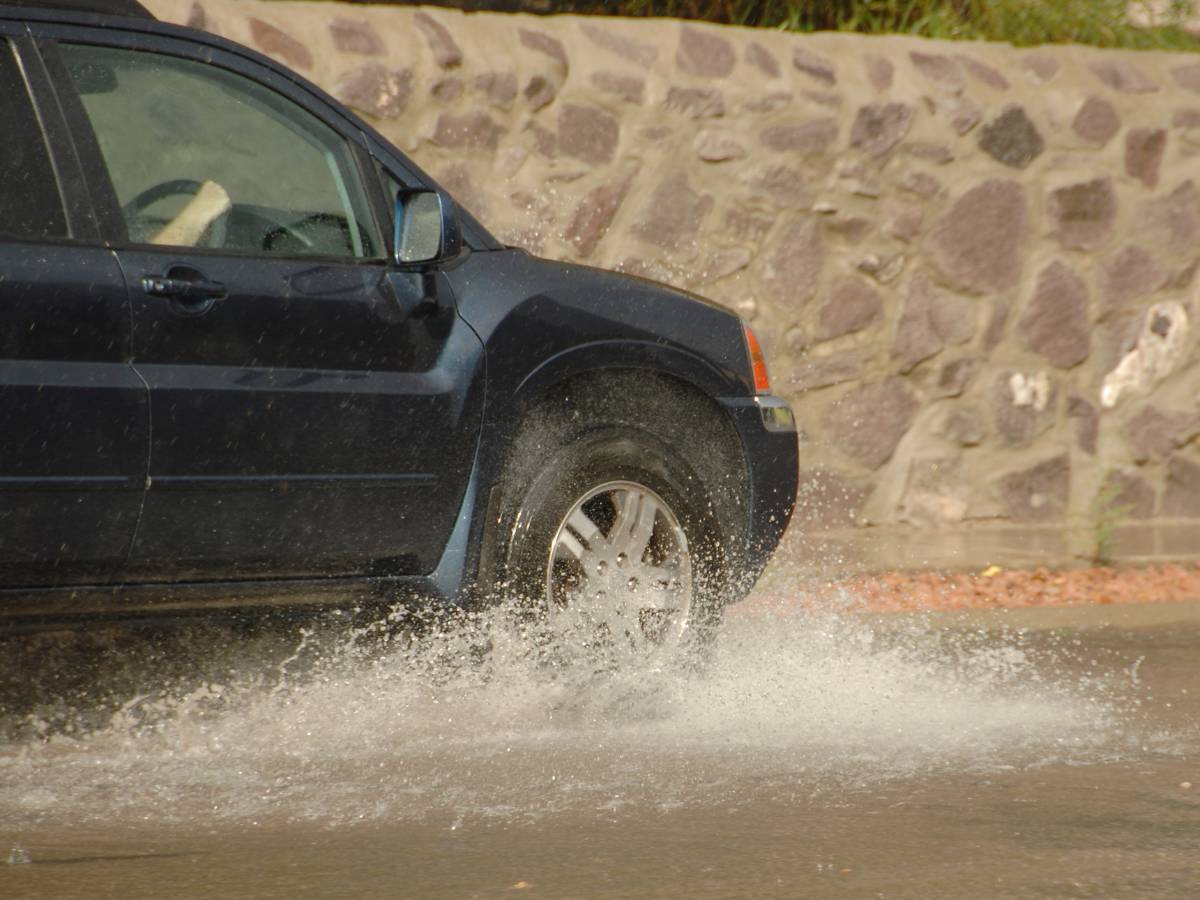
427 229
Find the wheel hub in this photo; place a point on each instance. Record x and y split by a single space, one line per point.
620 557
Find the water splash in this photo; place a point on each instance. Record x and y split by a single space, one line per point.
469 722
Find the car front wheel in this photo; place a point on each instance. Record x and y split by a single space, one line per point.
611 534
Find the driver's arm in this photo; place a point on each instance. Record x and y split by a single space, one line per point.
210 203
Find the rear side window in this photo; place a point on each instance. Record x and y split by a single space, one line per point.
30 204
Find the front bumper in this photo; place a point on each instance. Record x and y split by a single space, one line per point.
767 429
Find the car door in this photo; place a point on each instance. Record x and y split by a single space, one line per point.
309 403
73 413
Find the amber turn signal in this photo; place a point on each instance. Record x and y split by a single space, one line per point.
758 362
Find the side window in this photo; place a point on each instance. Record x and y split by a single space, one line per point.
202 157
30 203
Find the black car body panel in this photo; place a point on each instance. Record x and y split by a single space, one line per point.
311 429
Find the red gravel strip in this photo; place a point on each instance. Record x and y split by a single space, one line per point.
1000 589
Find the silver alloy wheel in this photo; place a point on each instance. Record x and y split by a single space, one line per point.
620 560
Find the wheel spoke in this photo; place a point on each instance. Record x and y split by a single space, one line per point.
621 562
634 525
578 534
571 544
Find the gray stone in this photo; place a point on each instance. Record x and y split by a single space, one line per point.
374 89
197 18
832 99
796 339
941 70
938 154
763 60
880 72
698 103
956 375
673 216
1087 423
473 129
850 228
446 53
813 374
1186 118
769 102
1144 149
963 426
962 112
1132 496
1023 405
935 493
1121 75
930 320
1129 275
977 243
1097 121
885 269
539 92
716 146
595 214
703 52
794 266
628 87
879 127
724 263
983 72
1055 323
634 51
784 186
828 499
540 42
915 339
1039 493
904 223
852 306
922 184
501 88
1187 77
545 141
1154 435
748 223
356 36
460 184
813 65
588 133
805 138
1181 499
1172 223
1084 213
279 44
1011 139
1040 66
869 422
446 90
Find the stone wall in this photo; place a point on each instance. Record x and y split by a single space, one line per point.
973 267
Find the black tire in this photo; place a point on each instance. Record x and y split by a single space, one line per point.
626 435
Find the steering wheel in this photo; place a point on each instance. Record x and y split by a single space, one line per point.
135 209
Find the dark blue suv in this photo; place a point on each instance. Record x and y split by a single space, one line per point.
251 355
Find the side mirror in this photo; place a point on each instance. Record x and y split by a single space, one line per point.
427 229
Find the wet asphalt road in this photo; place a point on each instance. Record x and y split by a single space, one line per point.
1042 754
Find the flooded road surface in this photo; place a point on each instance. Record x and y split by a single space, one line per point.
817 754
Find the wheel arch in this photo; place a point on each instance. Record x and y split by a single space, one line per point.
688 390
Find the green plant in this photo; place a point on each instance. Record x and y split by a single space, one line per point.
1106 516
1103 23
